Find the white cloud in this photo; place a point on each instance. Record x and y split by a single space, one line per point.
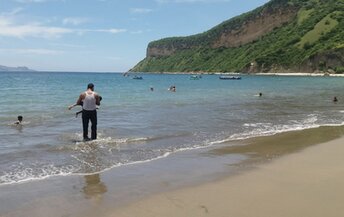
140 10
9 29
4 22
32 51
113 31
34 30
75 20
40 51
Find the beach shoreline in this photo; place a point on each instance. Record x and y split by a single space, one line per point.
179 185
305 183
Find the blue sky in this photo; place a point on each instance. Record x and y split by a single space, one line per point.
101 35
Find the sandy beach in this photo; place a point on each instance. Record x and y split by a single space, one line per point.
308 183
296 173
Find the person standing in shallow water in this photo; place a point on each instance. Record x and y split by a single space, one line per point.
89 101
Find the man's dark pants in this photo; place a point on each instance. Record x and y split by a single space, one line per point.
86 117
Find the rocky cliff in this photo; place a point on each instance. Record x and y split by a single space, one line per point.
282 35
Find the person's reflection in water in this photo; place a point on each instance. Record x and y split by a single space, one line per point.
94 188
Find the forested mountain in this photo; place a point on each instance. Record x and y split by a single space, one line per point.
280 36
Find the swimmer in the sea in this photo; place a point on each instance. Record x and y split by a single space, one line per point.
20 119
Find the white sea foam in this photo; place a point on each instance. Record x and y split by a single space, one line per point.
268 129
23 174
20 175
29 174
126 164
110 140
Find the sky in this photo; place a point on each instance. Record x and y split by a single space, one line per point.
101 35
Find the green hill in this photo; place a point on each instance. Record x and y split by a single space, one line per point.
280 36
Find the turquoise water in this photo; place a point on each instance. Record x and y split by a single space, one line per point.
137 125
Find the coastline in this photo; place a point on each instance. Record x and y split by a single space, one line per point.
192 183
307 74
305 183
301 74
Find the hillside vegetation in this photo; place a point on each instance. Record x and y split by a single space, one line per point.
281 36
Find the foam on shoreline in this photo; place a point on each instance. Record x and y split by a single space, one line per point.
306 183
223 179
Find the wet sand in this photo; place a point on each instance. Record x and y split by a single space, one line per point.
281 175
261 149
308 183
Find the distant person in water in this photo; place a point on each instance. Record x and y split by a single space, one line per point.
172 88
20 119
89 101
151 89
335 99
260 94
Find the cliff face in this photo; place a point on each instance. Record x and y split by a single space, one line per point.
282 35
160 51
244 32
327 61
255 28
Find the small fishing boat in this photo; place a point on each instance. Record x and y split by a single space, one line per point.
137 77
226 77
195 77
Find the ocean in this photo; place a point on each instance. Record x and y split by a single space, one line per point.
138 125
